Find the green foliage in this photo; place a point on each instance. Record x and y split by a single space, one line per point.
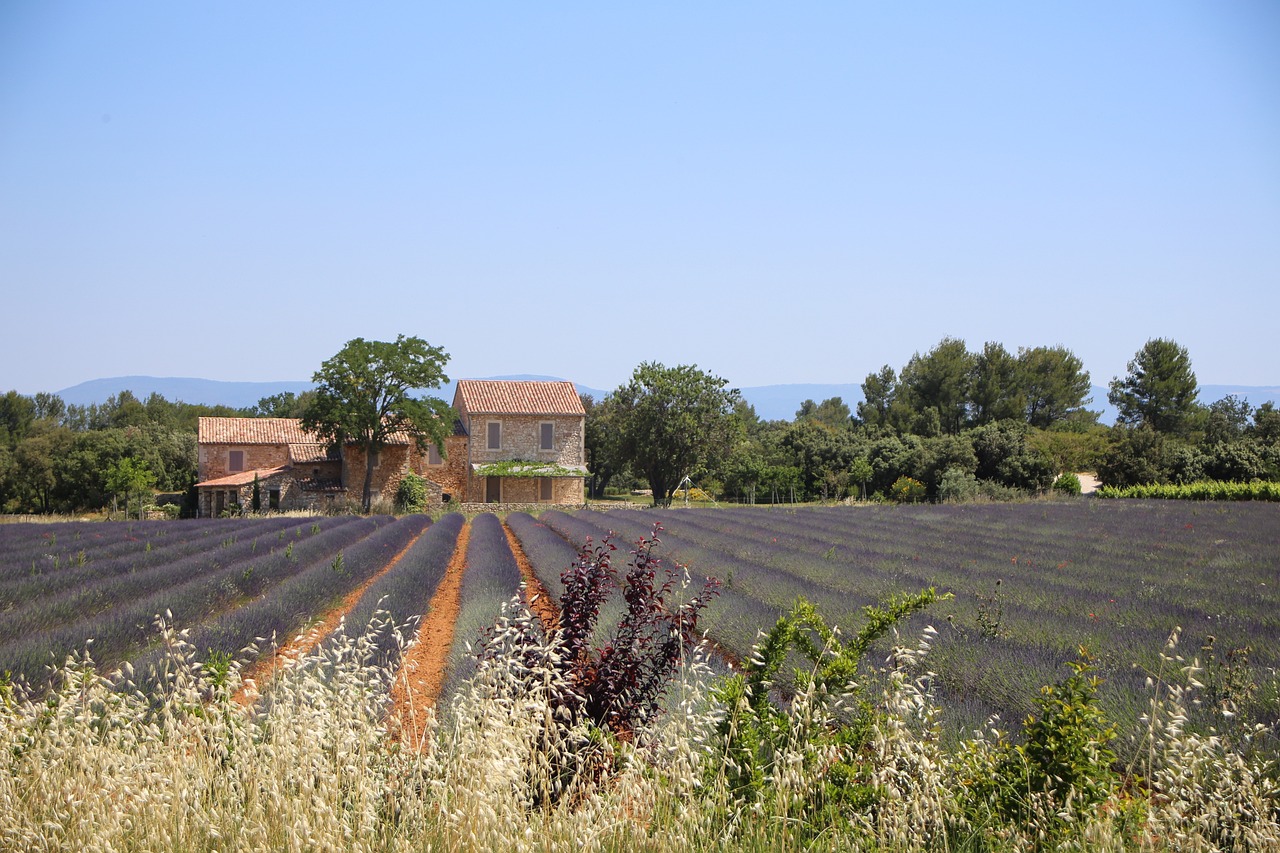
907 490
673 421
756 738
411 494
602 442
130 477
1136 455
935 388
1203 490
363 396
1067 484
1062 770
957 486
1159 390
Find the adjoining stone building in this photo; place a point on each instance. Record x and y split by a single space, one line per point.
515 442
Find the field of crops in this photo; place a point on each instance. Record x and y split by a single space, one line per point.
324 758
1031 583
71 587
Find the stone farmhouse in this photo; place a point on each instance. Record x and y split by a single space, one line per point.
514 443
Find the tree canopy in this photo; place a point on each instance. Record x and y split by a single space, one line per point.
1160 389
674 419
364 396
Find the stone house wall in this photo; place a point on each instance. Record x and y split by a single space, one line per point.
214 459
451 474
521 440
393 461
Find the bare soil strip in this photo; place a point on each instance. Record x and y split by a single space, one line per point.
265 669
421 678
535 594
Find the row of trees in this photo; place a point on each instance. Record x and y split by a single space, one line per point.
960 422
56 457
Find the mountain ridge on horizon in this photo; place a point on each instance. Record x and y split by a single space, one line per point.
772 402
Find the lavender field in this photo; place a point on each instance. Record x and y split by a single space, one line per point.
1031 583
68 587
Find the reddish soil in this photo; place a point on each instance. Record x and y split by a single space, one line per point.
535 594
421 676
265 669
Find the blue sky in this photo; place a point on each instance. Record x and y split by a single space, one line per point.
777 192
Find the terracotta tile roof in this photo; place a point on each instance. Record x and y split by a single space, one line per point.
306 454
517 397
254 431
267 431
244 478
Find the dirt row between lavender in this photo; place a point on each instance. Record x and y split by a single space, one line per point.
422 668
288 655
421 678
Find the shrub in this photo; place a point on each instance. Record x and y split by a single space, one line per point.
411 495
957 486
1067 484
907 490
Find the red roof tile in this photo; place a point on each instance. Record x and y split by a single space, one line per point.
267 431
254 431
517 397
306 454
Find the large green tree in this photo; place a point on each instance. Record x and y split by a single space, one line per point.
878 392
602 441
996 391
675 420
364 396
936 388
1159 390
1055 385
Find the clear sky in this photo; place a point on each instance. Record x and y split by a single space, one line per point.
778 192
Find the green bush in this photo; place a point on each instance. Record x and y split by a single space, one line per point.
1067 484
957 486
411 496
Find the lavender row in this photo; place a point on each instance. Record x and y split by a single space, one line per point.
733 620
26 549
550 553
118 632
310 592
70 607
491 578
404 592
1032 582
98 565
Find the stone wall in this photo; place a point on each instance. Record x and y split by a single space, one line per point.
393 461
214 458
521 440
451 475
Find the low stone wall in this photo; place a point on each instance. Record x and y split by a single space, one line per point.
532 509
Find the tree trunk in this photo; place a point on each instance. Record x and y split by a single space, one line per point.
366 497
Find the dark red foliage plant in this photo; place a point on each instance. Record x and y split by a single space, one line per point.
620 684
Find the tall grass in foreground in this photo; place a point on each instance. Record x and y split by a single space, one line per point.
98 765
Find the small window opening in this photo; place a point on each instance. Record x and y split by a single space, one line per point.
235 460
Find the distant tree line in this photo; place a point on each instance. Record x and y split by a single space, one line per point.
951 424
60 457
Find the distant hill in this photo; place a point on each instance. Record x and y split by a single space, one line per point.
771 402
209 392
214 392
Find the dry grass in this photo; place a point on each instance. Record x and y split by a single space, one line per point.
99 766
